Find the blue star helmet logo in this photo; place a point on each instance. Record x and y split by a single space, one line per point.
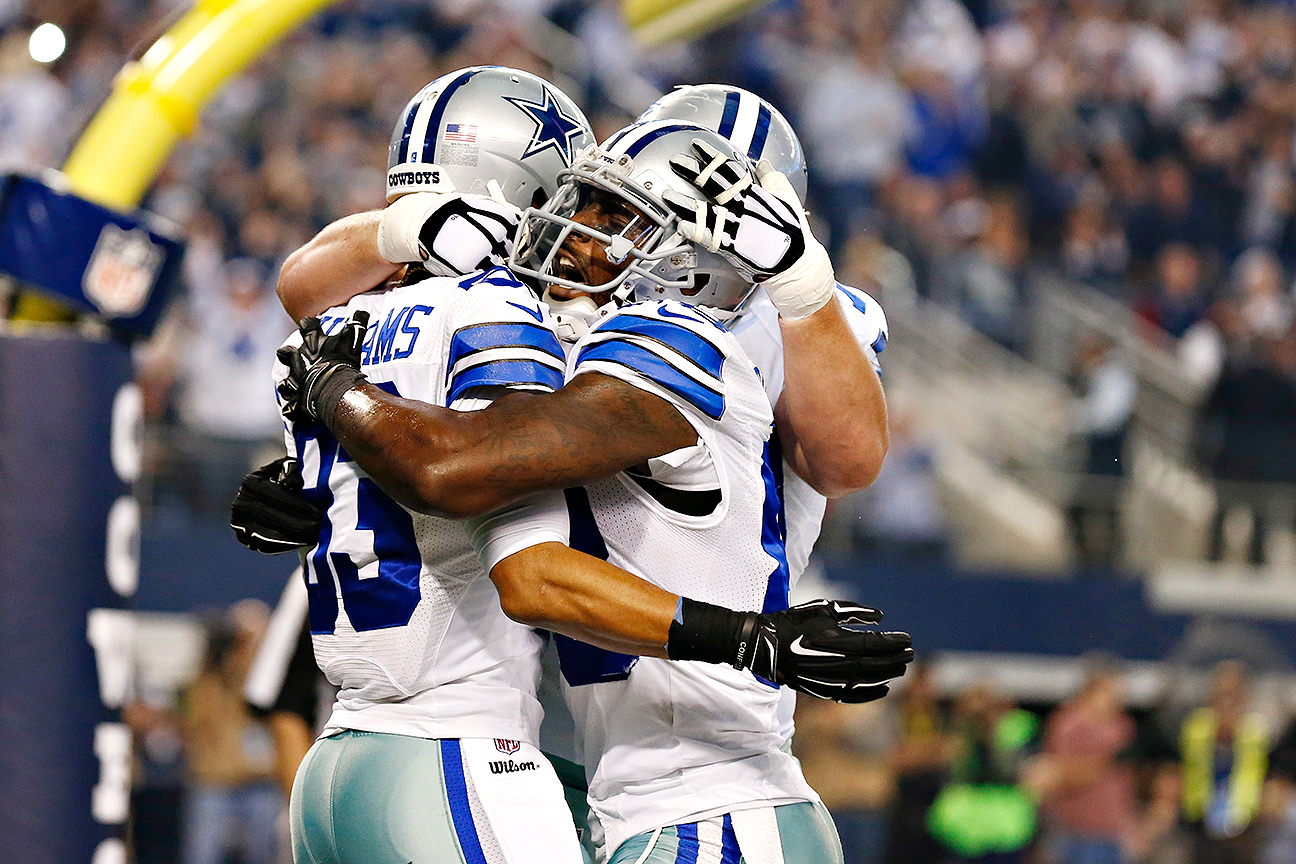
553 128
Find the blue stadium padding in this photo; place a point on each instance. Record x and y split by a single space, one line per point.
192 563
52 240
946 610
57 484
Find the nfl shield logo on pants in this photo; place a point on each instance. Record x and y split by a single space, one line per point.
506 746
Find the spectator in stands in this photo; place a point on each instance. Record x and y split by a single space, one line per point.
857 120
1094 250
1262 306
921 760
1174 215
901 511
226 403
870 261
984 814
232 801
981 277
1087 789
1280 845
33 132
1178 299
1224 754
1247 438
1267 219
1100 420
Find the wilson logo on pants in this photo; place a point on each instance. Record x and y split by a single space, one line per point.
508 766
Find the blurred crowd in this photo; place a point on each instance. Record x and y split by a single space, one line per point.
958 149
939 772
921 779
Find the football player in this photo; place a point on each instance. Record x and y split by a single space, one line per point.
829 410
432 673
701 490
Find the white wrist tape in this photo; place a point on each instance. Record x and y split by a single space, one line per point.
805 287
401 222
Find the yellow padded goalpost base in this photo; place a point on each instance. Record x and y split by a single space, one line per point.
158 99
657 22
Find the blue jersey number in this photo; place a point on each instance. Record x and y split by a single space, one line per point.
366 543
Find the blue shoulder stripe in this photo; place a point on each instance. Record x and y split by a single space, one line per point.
483 337
646 363
690 345
856 301
497 275
880 343
504 373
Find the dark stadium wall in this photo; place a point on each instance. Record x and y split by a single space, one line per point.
64 767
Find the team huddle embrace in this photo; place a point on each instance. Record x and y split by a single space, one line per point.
593 393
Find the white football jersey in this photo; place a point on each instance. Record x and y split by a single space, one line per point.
666 742
758 332
403 615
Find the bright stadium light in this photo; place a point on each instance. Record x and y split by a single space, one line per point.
47 43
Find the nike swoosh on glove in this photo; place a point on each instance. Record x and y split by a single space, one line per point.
817 648
270 515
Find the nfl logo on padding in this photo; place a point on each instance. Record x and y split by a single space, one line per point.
121 271
506 746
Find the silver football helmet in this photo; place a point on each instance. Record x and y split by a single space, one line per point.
752 125
487 130
610 205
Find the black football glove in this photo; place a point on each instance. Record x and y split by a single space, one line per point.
322 369
269 514
813 648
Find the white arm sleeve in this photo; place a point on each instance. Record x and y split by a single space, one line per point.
541 519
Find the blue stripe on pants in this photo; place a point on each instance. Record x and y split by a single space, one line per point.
457 794
729 852
687 835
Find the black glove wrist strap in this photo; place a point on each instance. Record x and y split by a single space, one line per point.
332 386
713 634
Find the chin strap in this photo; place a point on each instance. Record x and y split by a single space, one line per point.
576 316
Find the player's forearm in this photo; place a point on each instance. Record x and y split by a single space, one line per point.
413 450
832 415
557 588
460 464
338 263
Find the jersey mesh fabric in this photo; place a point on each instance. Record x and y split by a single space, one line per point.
758 333
451 664
669 740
